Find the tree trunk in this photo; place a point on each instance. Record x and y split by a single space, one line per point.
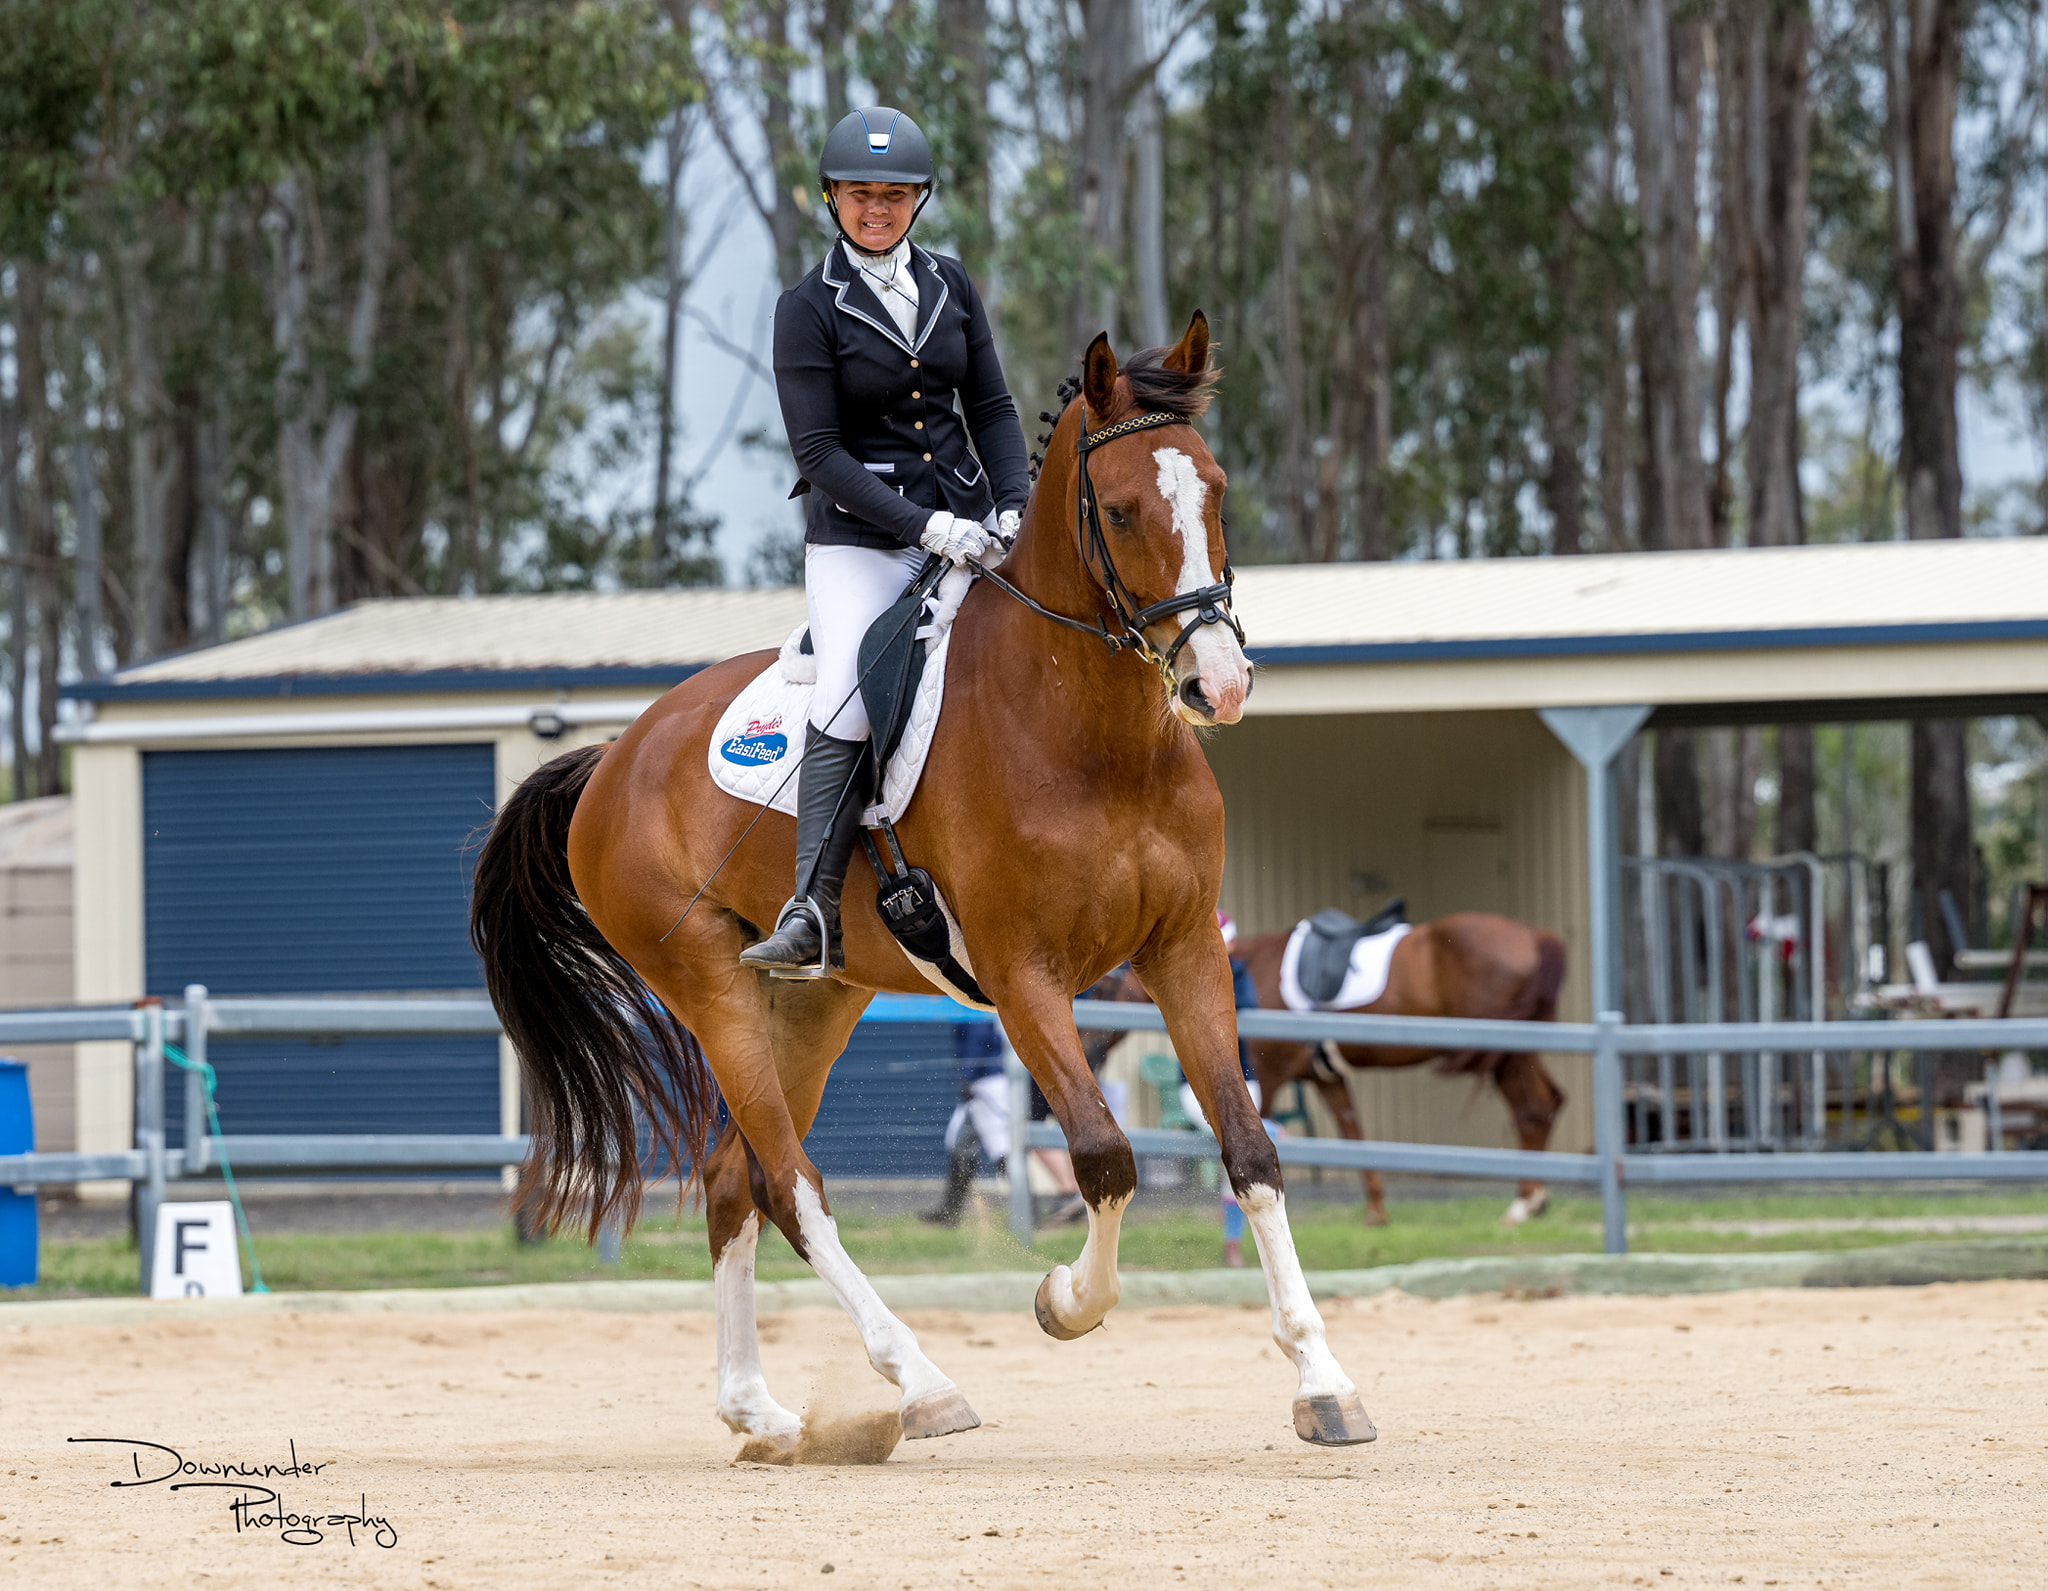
152 456
963 49
1681 825
316 428
1779 122
86 558
12 524
1923 61
1666 69
1105 65
1148 210
660 548
1372 372
835 38
1294 400
1729 39
1564 483
1797 826
792 166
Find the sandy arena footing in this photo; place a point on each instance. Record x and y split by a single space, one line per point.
1862 1437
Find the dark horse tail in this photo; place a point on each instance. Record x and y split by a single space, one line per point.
600 1053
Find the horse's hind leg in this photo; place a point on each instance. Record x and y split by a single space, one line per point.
1191 980
1534 1099
1337 1095
770 1046
744 1402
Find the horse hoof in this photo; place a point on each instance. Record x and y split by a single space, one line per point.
1526 1209
939 1413
1330 1420
1375 1217
1048 1322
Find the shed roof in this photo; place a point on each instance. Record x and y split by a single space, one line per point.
1581 612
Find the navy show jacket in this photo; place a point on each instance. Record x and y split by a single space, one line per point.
870 414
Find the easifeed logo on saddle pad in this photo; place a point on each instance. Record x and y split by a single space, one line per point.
762 741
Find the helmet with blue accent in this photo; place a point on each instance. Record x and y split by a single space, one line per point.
877 144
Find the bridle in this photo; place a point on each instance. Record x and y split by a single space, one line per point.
1209 604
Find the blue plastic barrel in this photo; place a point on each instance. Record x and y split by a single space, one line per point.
17 1210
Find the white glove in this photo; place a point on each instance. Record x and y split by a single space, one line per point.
955 539
1003 526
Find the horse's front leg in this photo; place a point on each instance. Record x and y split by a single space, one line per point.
1191 980
1040 1022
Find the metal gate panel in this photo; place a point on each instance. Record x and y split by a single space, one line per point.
340 870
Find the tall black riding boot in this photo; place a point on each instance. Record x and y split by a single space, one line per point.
831 790
960 1166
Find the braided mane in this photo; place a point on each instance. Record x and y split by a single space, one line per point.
1154 385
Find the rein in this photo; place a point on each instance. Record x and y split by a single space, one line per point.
1209 604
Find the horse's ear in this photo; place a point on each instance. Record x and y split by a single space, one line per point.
1191 353
1098 376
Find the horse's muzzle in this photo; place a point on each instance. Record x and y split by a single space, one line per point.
1196 700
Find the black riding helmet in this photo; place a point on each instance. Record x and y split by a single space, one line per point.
878 144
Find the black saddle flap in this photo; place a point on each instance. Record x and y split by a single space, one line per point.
1326 952
891 663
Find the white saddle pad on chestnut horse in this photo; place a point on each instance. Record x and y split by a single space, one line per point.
1365 979
758 745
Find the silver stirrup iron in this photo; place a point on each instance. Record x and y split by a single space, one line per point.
809 907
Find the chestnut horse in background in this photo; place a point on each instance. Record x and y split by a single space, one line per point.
1469 964
1068 814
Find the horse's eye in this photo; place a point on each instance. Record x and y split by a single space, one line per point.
1116 517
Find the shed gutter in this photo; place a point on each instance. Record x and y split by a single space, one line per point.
547 720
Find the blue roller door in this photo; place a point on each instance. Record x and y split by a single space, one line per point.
325 871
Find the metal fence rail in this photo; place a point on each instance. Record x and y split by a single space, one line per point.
1608 1040
151 1165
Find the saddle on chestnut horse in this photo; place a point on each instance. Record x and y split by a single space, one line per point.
1332 958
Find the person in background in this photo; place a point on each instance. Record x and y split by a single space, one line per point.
980 1126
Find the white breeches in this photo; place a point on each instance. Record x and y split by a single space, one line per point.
845 590
987 1110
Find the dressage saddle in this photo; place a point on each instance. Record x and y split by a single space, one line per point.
1326 952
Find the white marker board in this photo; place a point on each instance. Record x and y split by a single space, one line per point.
197 1255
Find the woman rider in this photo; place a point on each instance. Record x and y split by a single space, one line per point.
870 349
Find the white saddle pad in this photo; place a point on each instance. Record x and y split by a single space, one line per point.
1365 980
758 745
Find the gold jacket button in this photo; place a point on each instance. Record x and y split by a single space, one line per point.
927 458
917 394
913 364
919 424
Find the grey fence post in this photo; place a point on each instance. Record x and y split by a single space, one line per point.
611 1241
1609 1138
195 1079
1020 1124
149 1135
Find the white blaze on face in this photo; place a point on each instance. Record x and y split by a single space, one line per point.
1219 661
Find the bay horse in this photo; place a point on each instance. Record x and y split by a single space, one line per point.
1070 818
1469 964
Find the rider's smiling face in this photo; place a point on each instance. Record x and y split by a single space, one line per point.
875 214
